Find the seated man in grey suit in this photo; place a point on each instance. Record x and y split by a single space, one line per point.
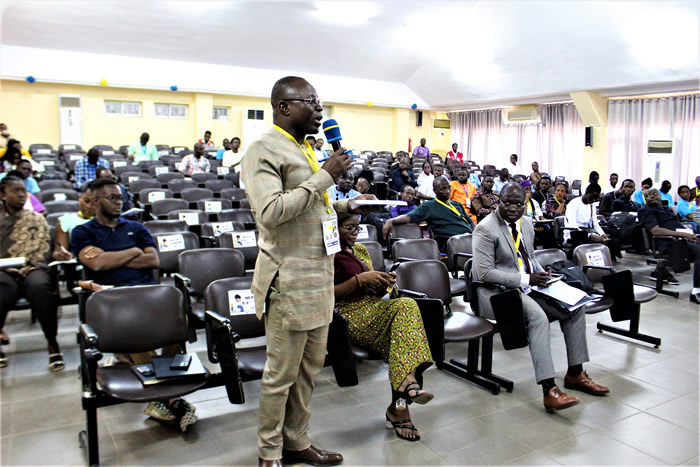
503 254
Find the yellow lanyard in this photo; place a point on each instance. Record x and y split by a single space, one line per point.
451 208
555 199
309 153
516 242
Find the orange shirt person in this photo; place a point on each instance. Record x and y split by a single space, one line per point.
463 191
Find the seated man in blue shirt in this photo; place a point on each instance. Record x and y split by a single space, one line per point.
444 216
403 175
119 252
343 188
639 195
665 195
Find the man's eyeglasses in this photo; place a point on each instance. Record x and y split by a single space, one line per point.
351 227
114 199
314 102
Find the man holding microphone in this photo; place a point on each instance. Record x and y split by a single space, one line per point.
293 279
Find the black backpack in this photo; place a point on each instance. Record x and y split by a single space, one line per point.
621 225
573 275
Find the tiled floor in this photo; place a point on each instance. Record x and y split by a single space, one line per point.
651 416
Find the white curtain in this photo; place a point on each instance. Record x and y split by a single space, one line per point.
633 122
556 143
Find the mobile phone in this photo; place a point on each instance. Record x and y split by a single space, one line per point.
181 361
145 371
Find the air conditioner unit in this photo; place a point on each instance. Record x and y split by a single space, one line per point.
253 125
660 160
521 114
442 123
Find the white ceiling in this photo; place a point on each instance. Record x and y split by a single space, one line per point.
453 54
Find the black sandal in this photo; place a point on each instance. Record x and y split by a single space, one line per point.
401 424
421 398
4 339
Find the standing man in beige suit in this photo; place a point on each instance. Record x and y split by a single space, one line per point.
293 280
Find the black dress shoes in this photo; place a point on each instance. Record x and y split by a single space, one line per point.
695 298
311 455
268 463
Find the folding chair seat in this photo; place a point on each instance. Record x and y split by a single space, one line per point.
52 219
148 196
627 296
169 245
201 178
424 249
146 165
165 226
160 208
458 327
241 240
127 178
401 231
654 256
211 231
55 184
235 177
217 185
167 177
58 194
377 254
243 203
62 206
193 217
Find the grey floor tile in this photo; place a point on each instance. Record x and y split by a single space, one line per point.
348 427
492 451
596 448
47 384
50 412
594 411
656 437
682 411
397 452
469 433
240 448
534 458
672 379
637 393
219 417
207 452
5 419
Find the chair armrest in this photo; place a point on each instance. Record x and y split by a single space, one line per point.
455 271
88 336
488 285
89 356
183 285
404 259
209 242
221 349
250 225
212 323
411 293
82 295
586 267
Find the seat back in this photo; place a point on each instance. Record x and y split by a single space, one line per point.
204 266
368 233
195 194
169 246
127 178
593 254
53 184
410 230
191 216
213 204
426 276
58 194
164 226
242 240
233 193
458 244
168 177
177 185
215 229
145 196
62 206
162 207
137 319
415 248
558 228
239 215
217 185
549 256
377 255
137 185
203 177
218 299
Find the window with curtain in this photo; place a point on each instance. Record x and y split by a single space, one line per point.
556 143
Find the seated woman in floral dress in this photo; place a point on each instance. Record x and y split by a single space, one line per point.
393 328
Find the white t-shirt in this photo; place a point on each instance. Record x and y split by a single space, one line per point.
231 159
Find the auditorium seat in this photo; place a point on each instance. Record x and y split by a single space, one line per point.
201 178
162 207
193 217
167 177
195 194
57 194
213 205
233 193
137 185
62 206
231 240
165 226
217 185
240 215
178 185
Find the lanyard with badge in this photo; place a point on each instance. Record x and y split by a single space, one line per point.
453 209
329 224
466 195
516 243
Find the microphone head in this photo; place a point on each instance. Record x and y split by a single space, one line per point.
331 130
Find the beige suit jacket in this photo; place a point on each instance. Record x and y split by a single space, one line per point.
293 271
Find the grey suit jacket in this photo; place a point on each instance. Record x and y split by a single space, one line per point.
495 258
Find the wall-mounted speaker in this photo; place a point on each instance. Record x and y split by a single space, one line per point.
419 118
589 136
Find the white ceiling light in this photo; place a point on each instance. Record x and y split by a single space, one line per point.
345 12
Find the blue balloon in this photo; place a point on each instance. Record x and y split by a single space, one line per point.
173 88
414 106
30 79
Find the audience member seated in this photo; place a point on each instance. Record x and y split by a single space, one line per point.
392 328
425 190
86 168
536 176
321 153
69 221
463 191
541 194
33 203
555 206
119 252
497 261
343 188
24 233
426 173
485 200
593 177
665 195
639 195
444 217
685 208
514 166
696 190
403 175
232 157
613 184
24 168
195 163
659 220
501 181
206 140
407 195
5 135
624 203
226 147
533 210
363 186
422 149
580 214
142 151
454 154
12 153
605 205
126 197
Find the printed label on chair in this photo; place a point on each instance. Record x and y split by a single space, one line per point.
244 239
43 151
163 152
76 157
171 242
595 258
161 170
119 164
155 196
48 162
212 206
575 192
59 196
241 302
363 233
222 170
108 153
132 179
221 227
191 218
69 146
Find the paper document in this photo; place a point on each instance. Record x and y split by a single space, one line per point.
16 262
562 292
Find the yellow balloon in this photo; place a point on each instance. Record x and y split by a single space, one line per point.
103 82
369 103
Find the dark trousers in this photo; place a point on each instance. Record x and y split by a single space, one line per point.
694 253
39 288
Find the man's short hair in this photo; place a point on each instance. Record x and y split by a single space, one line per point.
93 152
648 181
512 186
514 155
681 187
614 174
235 138
442 166
403 188
100 183
593 174
101 170
439 181
279 88
207 132
628 180
9 178
593 188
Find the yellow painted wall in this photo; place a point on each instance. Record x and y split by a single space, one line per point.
441 139
31 113
596 157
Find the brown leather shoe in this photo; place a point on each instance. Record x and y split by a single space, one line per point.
313 456
270 463
584 383
557 400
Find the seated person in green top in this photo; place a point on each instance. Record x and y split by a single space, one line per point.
444 217
67 222
142 151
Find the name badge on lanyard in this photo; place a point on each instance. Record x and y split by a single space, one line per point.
331 236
